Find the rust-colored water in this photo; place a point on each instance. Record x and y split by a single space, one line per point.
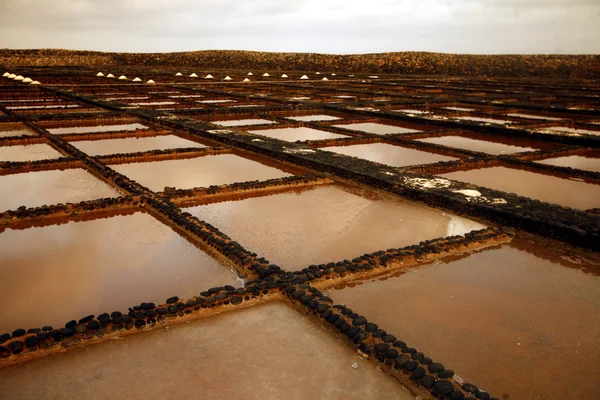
376 128
579 162
96 128
198 172
293 134
33 189
517 325
64 272
7 130
566 192
483 146
327 224
384 153
243 122
30 152
267 352
314 117
132 145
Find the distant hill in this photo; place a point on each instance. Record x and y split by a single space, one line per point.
415 63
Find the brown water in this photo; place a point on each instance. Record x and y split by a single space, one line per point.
132 145
569 193
96 128
327 224
33 189
8 130
293 134
64 272
243 122
514 324
314 117
198 172
483 146
30 152
379 129
384 153
267 352
580 162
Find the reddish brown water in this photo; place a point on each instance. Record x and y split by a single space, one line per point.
483 146
62 272
34 189
515 324
264 352
551 189
314 117
132 145
379 129
384 153
327 224
243 122
293 134
580 162
198 172
30 152
7 130
96 128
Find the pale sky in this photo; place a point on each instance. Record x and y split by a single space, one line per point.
324 26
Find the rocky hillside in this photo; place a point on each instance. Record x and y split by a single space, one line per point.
421 63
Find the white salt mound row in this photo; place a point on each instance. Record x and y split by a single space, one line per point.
6 75
35 83
27 80
18 78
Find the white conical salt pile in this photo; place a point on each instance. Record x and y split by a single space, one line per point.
193 75
304 77
137 80
317 73
27 80
150 82
333 74
227 78
99 74
122 78
209 76
284 76
325 78
250 74
179 74
266 74
11 76
18 78
35 83
6 74
110 76
246 80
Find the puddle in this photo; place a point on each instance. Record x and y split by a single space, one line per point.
533 116
30 152
551 189
250 349
561 129
384 153
579 162
243 122
503 319
488 120
132 145
293 134
8 130
315 117
326 224
198 172
379 129
33 189
61 272
483 146
96 128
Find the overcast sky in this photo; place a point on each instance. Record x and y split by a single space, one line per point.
326 26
